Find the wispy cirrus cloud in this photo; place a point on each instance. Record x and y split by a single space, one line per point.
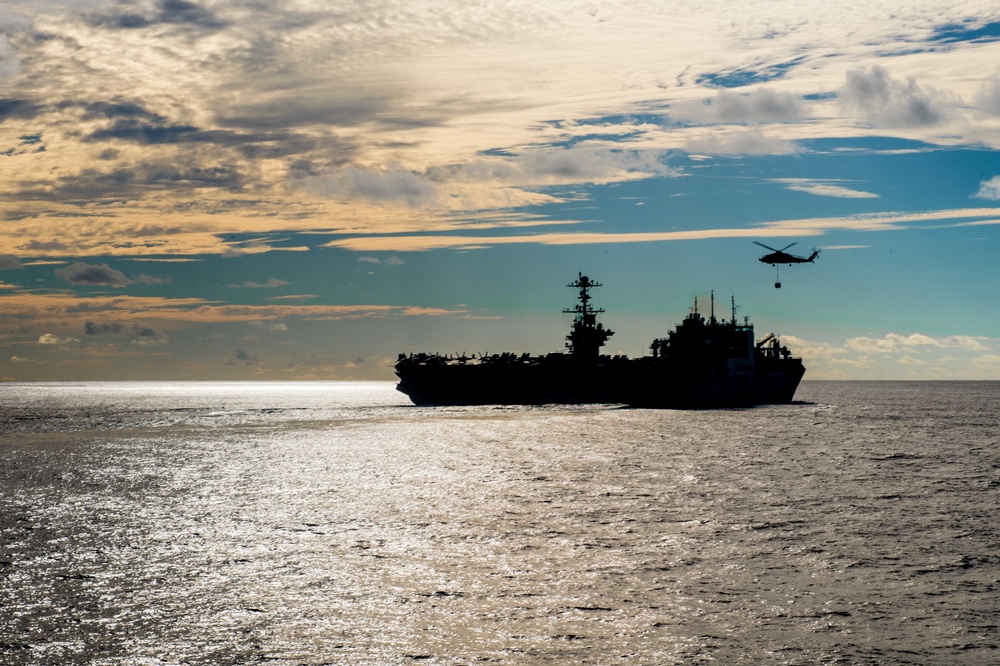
823 188
778 228
268 284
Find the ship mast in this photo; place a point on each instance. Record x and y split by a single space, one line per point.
587 336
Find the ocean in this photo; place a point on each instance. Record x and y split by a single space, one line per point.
335 523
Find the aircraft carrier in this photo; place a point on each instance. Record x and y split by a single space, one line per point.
703 363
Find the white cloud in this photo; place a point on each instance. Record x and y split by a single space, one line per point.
742 141
269 325
915 340
875 97
270 284
49 339
824 188
582 165
872 345
966 342
896 356
989 189
389 261
988 96
895 343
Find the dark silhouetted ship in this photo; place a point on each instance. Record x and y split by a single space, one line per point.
703 363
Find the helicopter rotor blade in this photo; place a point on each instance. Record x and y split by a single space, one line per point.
768 247
787 246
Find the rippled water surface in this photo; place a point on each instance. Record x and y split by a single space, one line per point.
310 523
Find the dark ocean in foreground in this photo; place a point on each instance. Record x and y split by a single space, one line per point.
314 523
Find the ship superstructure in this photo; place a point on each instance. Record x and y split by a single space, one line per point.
587 335
701 363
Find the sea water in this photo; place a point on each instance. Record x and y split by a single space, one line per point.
315 523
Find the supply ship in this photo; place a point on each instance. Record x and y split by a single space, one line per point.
702 363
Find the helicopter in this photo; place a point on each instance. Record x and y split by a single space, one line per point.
781 257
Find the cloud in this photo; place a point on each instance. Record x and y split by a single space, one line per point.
778 228
899 356
486 183
545 165
294 297
80 273
875 97
582 164
242 357
20 109
763 105
8 262
142 278
270 325
92 328
989 189
49 339
988 97
743 141
823 188
893 343
270 284
164 12
54 246
144 336
10 62
143 318
385 185
390 261
93 184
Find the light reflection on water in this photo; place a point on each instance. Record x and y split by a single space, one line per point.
333 523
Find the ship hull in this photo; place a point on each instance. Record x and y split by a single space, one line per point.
631 382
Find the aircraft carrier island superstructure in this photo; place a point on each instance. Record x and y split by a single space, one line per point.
702 363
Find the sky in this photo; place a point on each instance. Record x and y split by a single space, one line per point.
243 189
